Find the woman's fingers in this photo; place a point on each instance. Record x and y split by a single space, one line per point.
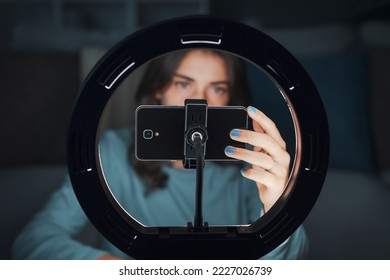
261 141
262 160
261 123
259 159
263 177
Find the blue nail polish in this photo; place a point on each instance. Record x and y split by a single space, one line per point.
230 150
252 109
235 133
243 171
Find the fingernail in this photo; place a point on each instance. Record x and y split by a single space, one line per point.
243 171
230 150
252 109
235 133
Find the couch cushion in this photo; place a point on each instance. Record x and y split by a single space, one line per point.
351 218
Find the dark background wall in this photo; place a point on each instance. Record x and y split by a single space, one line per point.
89 20
300 13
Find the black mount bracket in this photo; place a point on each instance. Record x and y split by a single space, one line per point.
195 138
195 126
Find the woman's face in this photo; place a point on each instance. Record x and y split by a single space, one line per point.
200 75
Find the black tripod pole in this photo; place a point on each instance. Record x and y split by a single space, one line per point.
198 218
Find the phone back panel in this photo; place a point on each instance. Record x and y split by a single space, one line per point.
160 131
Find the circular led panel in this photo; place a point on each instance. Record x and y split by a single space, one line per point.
220 242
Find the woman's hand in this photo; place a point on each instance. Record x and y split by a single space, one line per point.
269 158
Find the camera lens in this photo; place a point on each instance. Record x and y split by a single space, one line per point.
148 134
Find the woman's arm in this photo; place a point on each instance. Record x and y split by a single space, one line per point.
49 234
270 170
296 247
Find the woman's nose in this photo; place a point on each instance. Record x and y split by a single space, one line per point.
200 93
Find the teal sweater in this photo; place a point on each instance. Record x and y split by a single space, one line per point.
229 199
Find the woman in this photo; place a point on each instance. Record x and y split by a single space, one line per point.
162 194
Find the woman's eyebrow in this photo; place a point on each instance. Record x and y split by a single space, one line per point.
220 82
191 79
183 77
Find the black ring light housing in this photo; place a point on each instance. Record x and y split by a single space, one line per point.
220 242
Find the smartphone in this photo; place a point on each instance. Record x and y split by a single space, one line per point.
159 132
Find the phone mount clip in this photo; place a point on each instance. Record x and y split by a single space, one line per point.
195 129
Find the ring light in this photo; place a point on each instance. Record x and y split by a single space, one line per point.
221 242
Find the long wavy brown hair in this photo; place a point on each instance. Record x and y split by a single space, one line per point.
158 76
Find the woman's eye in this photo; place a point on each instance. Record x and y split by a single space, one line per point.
182 85
219 90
